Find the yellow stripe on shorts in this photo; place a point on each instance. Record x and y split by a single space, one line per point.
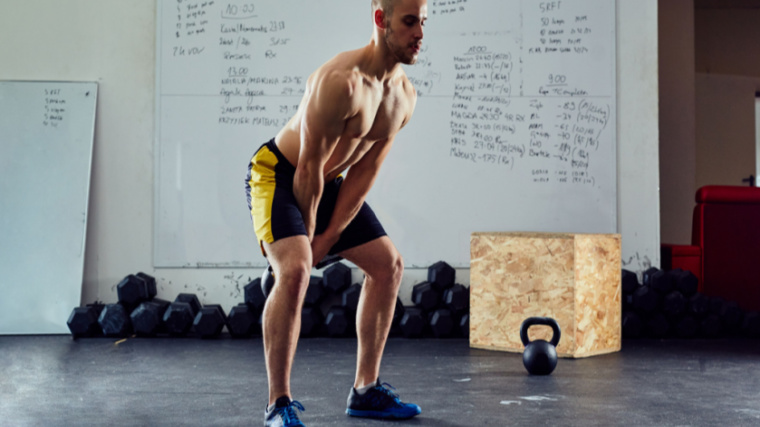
262 185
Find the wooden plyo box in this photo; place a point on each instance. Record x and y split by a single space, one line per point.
573 278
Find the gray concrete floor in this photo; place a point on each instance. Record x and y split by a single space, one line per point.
55 381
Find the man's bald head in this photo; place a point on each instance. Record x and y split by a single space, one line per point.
385 5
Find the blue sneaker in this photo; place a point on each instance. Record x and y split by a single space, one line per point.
381 401
283 413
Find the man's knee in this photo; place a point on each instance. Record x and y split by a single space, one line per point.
293 279
389 272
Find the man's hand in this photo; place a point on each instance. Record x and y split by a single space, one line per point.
321 244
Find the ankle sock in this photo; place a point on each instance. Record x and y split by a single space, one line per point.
360 391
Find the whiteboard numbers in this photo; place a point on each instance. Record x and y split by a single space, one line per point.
237 10
557 79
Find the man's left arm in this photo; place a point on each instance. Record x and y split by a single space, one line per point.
353 191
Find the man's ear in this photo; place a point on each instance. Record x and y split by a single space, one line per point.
380 18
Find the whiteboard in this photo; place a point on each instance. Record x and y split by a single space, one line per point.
514 129
46 134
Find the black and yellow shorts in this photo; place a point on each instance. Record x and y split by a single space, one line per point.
275 212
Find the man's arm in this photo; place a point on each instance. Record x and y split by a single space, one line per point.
353 191
327 109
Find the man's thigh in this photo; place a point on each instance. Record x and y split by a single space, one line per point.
376 255
288 254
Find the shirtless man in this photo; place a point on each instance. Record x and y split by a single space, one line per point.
304 209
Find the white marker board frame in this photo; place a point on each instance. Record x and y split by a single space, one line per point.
47 130
514 130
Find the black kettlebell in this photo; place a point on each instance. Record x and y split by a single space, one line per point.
267 280
540 357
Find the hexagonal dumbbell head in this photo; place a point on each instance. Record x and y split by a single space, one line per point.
150 281
349 299
456 298
336 278
192 299
662 282
147 318
442 323
132 290
464 325
315 292
337 322
441 275
242 321
209 321
412 323
254 295
629 281
646 299
698 306
311 321
425 296
83 322
633 327
178 318
646 276
685 282
674 304
114 321
398 312
658 325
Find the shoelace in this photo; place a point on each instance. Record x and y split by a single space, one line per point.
288 413
389 390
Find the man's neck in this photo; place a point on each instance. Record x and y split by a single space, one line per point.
379 62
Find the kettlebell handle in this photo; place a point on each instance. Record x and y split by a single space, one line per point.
548 321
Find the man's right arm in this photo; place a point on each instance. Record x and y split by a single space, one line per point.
327 109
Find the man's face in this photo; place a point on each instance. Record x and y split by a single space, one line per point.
403 31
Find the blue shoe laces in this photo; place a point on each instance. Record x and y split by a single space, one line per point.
288 413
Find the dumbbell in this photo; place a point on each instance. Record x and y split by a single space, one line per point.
338 322
412 323
83 321
114 321
179 316
441 323
658 326
311 321
633 327
243 321
646 299
147 318
441 275
464 325
629 281
456 298
398 313
268 280
425 296
685 282
209 321
349 298
136 288
674 305
315 292
253 294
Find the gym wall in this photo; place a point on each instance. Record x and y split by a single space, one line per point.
113 42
